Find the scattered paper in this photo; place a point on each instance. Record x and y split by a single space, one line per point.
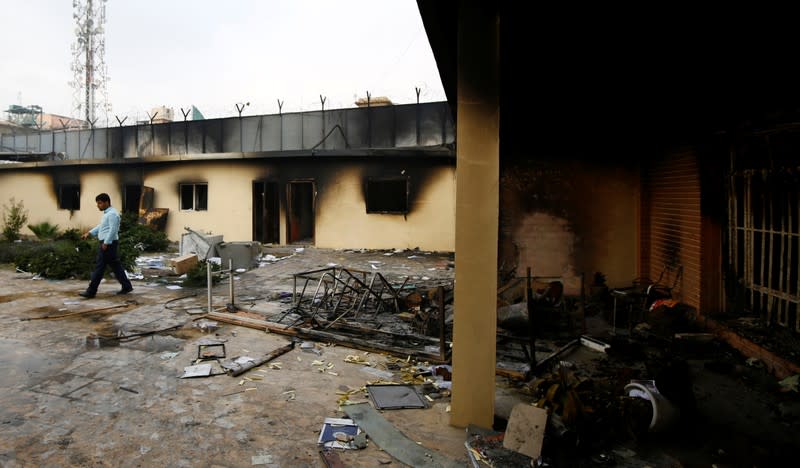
338 433
200 370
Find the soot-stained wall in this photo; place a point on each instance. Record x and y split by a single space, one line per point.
566 217
340 218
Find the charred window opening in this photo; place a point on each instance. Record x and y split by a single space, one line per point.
387 195
194 197
69 197
131 197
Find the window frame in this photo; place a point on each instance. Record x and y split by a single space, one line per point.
371 209
196 196
75 197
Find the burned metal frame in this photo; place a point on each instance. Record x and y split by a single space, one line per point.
340 291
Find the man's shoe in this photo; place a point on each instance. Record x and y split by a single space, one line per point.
124 291
86 294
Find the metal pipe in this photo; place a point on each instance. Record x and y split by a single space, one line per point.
230 276
442 341
208 271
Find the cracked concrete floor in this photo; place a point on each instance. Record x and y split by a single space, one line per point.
67 402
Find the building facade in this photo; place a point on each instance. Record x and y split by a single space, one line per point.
350 178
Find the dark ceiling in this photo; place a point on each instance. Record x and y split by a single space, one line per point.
631 78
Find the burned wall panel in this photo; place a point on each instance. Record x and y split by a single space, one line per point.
382 126
407 125
252 133
161 139
335 130
313 130
292 131
212 136
144 141
568 217
231 135
115 149
271 128
672 183
436 126
196 137
129 142
343 221
177 137
357 128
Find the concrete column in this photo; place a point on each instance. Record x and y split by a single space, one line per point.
477 195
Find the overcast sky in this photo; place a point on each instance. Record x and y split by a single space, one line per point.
214 54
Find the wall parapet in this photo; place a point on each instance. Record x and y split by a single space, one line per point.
329 131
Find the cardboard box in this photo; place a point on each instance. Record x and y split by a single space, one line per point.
184 263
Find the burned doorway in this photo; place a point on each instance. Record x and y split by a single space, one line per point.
266 221
300 212
131 197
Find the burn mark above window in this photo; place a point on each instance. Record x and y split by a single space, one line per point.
194 197
387 195
69 197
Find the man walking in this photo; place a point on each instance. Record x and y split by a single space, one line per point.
107 232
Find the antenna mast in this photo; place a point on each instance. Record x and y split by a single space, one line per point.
90 97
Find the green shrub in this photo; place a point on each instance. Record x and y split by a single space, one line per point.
197 277
139 237
14 217
69 256
44 230
9 251
60 259
72 234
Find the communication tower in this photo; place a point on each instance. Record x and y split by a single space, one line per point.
90 95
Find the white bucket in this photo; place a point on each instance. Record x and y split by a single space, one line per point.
664 412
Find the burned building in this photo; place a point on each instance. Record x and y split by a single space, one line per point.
371 177
595 146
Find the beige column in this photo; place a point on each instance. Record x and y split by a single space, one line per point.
477 177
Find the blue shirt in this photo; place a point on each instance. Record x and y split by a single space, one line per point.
108 229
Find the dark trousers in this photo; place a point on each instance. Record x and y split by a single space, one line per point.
108 257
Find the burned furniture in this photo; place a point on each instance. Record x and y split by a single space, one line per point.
636 299
341 291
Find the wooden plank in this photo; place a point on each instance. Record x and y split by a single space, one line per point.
312 334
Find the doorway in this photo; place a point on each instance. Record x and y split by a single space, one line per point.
266 206
131 198
300 211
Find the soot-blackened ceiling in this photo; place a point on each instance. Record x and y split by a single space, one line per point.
605 77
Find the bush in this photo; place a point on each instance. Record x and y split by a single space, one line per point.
69 256
135 236
44 230
14 217
197 277
60 259
73 235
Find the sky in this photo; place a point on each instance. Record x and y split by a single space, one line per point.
215 54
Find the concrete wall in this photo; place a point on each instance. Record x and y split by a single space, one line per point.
37 190
565 217
341 220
